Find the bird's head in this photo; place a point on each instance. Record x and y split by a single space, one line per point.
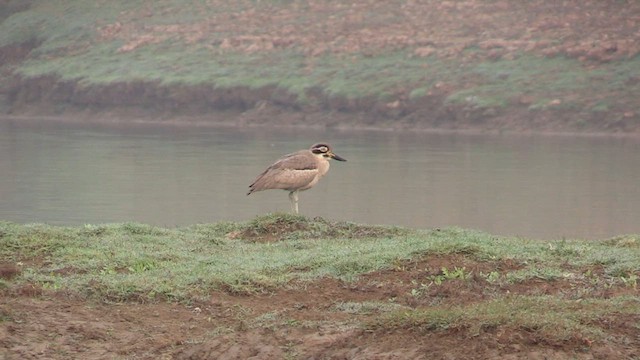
324 150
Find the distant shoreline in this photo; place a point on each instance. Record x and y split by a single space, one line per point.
228 123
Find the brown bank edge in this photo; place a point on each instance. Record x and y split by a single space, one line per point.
49 98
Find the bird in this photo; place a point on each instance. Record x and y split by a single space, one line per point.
296 172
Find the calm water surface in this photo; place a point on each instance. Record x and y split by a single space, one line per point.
535 186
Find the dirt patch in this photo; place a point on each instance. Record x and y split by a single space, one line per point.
288 227
8 271
587 29
307 320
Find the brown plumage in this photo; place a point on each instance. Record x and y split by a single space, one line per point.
296 172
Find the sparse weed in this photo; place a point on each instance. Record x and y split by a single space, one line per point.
630 280
492 277
446 274
420 289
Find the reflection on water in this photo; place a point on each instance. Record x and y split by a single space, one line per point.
533 186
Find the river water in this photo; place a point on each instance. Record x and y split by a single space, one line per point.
548 187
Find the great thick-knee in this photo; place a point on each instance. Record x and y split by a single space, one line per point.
296 172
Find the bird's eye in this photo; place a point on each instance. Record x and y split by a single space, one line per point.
324 149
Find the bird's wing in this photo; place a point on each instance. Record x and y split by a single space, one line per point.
290 172
296 161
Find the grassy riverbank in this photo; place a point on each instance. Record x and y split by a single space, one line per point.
469 64
281 277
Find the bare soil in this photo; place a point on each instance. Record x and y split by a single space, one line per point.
303 320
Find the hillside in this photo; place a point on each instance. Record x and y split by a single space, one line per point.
468 64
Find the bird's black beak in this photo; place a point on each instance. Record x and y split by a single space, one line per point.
334 156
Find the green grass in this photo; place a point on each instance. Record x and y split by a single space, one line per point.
124 261
596 281
174 63
550 318
119 262
501 83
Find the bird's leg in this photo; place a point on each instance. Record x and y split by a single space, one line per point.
293 196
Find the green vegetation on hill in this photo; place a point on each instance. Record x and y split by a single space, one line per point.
456 71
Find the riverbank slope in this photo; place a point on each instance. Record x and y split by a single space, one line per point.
483 65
